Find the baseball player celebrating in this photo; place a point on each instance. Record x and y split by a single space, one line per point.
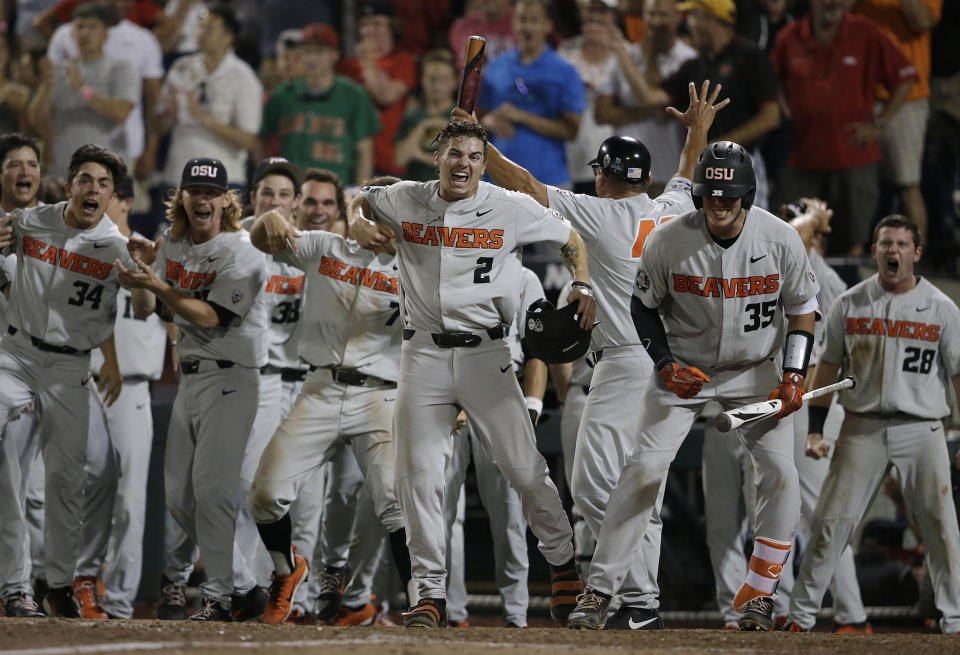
348 396
209 277
63 304
708 294
614 227
459 271
897 335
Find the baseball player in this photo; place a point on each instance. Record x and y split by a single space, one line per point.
209 281
457 239
347 398
19 183
897 335
614 227
118 455
712 292
63 304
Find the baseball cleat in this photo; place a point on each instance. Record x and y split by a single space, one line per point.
428 613
794 627
332 580
213 611
590 612
363 615
20 605
757 614
173 601
853 629
87 599
248 606
566 589
59 603
634 618
299 616
282 590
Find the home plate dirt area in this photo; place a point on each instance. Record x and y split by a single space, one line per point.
66 637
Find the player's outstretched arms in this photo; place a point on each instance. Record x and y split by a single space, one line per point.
504 172
574 255
684 382
143 250
697 119
362 227
272 233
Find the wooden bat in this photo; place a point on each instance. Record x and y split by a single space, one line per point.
472 74
735 418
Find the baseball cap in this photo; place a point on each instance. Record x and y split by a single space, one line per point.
724 10
96 10
124 188
204 171
377 8
289 38
278 166
320 33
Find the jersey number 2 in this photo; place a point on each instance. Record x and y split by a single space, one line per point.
481 274
86 294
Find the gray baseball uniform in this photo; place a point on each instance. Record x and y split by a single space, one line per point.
721 311
614 231
217 400
903 349
459 271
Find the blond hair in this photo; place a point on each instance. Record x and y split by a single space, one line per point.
180 224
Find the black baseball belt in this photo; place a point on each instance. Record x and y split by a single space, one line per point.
460 339
49 347
353 377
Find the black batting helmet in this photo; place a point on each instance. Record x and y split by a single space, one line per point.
623 157
554 335
724 169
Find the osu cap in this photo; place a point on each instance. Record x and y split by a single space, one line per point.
278 166
204 171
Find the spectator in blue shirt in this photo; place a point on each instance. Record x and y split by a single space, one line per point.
532 99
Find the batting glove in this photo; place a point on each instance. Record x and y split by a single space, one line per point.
790 392
684 382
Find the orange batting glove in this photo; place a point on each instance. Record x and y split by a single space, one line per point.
685 382
790 392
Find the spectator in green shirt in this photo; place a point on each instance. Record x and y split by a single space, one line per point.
322 120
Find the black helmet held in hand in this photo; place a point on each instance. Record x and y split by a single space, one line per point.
724 169
553 335
623 157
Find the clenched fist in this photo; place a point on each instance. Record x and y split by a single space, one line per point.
790 392
685 382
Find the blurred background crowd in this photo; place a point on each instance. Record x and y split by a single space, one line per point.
856 102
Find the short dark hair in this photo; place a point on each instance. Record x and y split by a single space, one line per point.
14 141
895 221
463 128
228 17
98 155
323 175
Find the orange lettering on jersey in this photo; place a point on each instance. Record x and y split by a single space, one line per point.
643 231
893 329
877 327
355 275
337 270
933 332
350 277
463 239
50 256
711 288
716 287
430 236
495 240
771 283
71 261
480 238
326 264
188 280
452 237
284 285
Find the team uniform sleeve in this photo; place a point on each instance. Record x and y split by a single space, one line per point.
799 282
538 223
311 246
586 213
384 202
677 195
950 339
652 283
239 281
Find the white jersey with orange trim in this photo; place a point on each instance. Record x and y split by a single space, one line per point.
228 271
725 304
352 307
614 231
900 347
460 260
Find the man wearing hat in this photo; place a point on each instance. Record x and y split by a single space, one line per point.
322 119
208 279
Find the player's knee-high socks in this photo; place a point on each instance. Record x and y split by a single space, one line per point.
277 538
766 564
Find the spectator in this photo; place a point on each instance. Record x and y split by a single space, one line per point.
322 119
286 65
493 20
908 24
28 38
125 40
211 103
14 95
423 24
88 98
830 64
617 103
533 99
416 137
590 53
142 12
388 76
177 32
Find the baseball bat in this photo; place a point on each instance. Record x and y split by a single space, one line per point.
735 418
471 76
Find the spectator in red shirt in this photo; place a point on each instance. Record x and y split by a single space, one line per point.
387 75
830 64
493 20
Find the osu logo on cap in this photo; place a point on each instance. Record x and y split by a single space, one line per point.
204 170
718 173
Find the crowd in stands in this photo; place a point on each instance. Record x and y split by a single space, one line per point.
856 102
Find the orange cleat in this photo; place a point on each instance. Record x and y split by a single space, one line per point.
853 629
282 590
794 627
362 616
87 599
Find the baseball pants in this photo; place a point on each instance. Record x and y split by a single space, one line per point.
115 494
606 439
206 442
573 406
367 549
456 562
845 588
666 421
57 385
480 380
19 455
866 450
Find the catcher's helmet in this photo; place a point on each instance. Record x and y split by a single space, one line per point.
554 335
623 157
724 169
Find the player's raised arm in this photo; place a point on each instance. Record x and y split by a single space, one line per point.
506 173
697 119
364 228
143 281
574 255
272 233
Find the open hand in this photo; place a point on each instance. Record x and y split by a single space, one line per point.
702 108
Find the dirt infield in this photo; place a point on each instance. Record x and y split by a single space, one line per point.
62 637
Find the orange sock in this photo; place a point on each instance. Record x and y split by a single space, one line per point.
766 564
